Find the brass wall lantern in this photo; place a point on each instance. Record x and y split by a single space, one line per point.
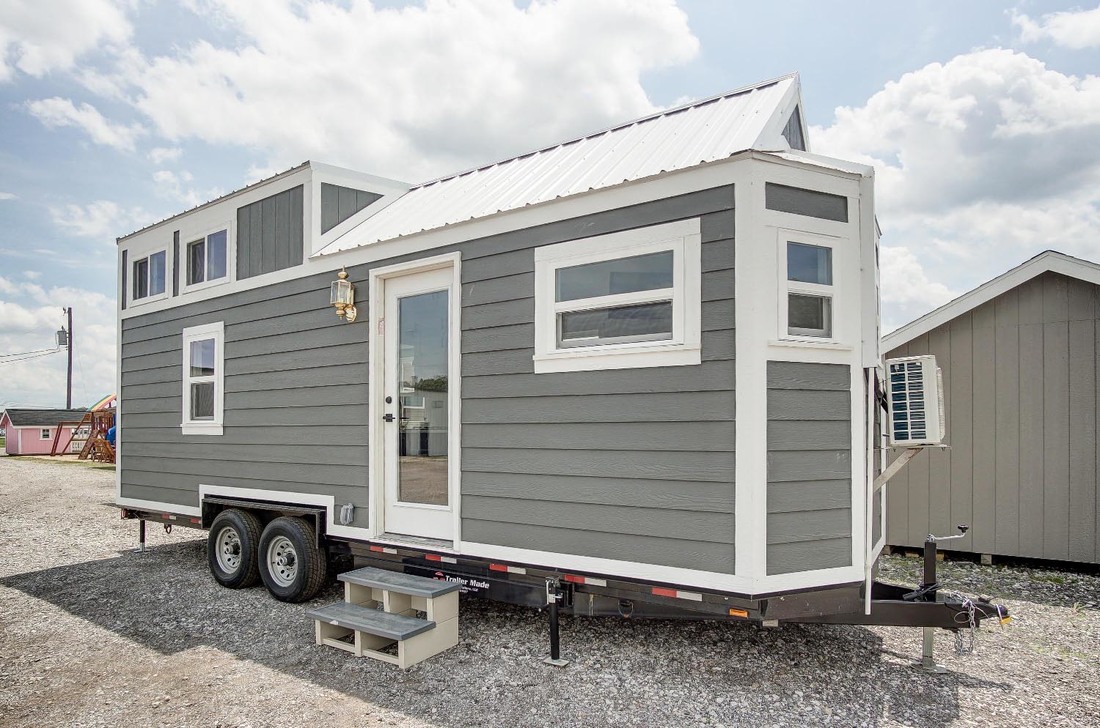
343 297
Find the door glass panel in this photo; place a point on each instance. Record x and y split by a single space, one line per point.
423 404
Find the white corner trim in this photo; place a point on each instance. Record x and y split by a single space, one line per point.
1048 261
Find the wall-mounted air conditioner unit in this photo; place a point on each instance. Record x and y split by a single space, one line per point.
915 397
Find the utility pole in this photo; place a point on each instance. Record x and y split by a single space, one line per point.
69 376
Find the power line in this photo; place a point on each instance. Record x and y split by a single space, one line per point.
33 355
24 353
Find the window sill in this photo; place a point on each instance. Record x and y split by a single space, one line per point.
192 287
811 344
585 360
201 428
133 302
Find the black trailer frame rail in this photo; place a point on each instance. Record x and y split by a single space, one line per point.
589 594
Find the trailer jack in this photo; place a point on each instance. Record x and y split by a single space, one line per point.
554 595
926 607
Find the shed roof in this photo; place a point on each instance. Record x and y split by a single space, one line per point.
703 131
43 417
1048 260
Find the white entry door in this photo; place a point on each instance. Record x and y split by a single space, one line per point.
415 327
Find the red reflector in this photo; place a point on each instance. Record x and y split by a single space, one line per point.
497 567
376 548
166 516
574 578
433 557
196 520
662 592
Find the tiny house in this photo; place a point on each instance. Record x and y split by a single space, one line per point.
645 358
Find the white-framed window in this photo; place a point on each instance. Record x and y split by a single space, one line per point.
808 271
203 379
45 434
617 301
150 276
208 259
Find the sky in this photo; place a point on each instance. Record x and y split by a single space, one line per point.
982 120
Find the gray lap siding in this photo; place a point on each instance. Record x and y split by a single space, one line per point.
809 467
632 464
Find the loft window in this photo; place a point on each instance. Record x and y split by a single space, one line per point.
809 304
622 300
207 258
149 276
203 378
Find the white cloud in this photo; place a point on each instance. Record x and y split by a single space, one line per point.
415 92
160 155
8 196
177 187
1077 29
29 316
101 219
57 112
980 163
36 38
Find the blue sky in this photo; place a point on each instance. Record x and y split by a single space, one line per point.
981 119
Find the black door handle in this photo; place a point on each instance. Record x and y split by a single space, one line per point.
387 417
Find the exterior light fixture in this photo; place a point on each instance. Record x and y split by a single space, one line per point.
343 297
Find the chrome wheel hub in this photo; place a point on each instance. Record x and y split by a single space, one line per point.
282 561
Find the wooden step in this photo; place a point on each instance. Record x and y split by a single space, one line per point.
398 583
395 627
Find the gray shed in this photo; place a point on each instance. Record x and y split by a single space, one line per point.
643 354
1019 361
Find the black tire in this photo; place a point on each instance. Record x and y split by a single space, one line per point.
231 548
292 566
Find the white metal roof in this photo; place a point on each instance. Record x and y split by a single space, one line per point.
697 133
1048 260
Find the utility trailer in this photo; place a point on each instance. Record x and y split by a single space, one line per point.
634 373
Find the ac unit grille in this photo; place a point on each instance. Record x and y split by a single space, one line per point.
910 403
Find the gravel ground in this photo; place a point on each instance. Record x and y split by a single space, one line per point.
94 634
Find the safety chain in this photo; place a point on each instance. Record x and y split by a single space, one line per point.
965 645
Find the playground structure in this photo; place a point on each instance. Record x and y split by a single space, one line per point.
95 423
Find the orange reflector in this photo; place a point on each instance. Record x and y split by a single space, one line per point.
662 592
376 548
433 557
738 612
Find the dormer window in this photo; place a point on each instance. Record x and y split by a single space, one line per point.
150 273
208 258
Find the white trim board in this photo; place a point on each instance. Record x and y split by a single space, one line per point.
1048 261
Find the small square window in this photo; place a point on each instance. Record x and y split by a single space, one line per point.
809 315
809 264
207 258
46 433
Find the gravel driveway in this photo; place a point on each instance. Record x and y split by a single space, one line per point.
94 634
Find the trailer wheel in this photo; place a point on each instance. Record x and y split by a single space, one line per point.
292 566
231 548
